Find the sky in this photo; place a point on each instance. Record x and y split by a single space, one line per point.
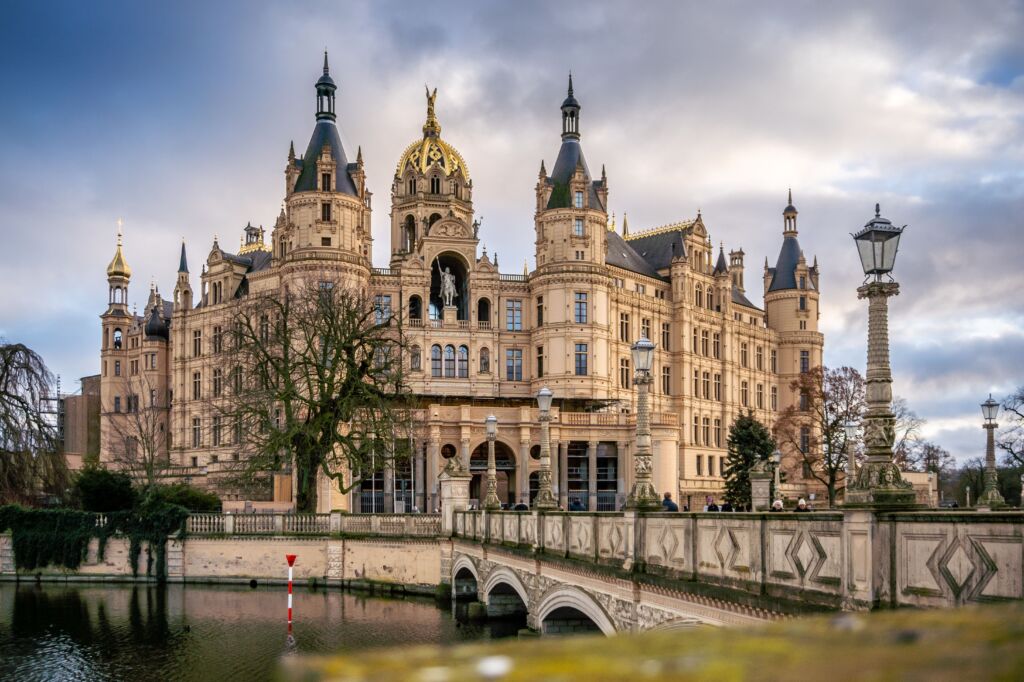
176 118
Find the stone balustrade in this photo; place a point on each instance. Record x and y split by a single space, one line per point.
851 559
390 525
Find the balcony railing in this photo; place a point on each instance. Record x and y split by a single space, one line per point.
393 525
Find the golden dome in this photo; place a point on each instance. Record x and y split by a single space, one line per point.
119 266
432 151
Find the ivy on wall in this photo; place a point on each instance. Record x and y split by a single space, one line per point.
60 537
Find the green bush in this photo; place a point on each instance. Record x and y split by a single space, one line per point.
187 496
101 490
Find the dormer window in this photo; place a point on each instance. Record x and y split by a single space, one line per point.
325 182
803 282
325 211
578 227
578 201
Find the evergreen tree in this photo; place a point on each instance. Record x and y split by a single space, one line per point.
749 441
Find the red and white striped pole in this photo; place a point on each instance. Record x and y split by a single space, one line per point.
291 563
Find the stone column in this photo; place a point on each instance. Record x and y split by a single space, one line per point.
990 498
464 453
642 495
879 481
592 475
545 495
433 463
389 484
420 474
523 469
563 474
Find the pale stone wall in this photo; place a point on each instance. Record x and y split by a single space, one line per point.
244 557
401 562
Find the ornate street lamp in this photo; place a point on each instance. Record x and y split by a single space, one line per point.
850 429
878 481
643 496
990 497
491 501
545 498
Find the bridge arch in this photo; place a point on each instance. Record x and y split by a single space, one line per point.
465 579
566 598
507 576
505 594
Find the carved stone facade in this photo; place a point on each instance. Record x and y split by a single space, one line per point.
567 324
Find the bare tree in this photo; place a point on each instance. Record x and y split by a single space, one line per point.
1011 435
316 382
932 458
31 459
814 427
140 431
906 446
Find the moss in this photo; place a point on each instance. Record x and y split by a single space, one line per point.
955 644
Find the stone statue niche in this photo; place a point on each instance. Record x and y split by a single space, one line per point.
449 287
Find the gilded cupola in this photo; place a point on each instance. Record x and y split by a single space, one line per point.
432 151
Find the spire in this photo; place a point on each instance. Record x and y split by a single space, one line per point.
432 128
721 267
625 225
526 268
570 84
789 216
291 150
118 265
359 156
570 115
325 88
611 224
183 263
543 170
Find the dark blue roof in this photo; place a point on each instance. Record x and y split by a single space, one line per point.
659 248
739 298
183 263
570 154
325 132
784 274
156 327
621 254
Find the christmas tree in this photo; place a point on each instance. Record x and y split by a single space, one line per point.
749 441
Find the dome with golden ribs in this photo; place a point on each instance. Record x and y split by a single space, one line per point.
432 151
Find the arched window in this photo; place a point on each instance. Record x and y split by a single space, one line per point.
411 186
449 361
483 310
463 362
711 299
415 308
117 339
698 296
435 361
409 233
485 361
434 217
106 339
435 185
456 190
415 361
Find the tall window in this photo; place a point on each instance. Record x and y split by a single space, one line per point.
718 433
577 227
711 299
718 386
666 336
581 359
197 386
696 430
325 211
700 465
624 327
744 360
804 402
435 185
705 430
805 439
514 364
236 380
237 436
803 303
514 315
382 308
696 383
694 339
325 182
197 343
218 339
774 361
264 328
744 394
706 385
580 307
645 328
578 200
435 360
759 397
805 361
217 382
215 432
117 403
449 361
540 361
624 375
197 433
775 397
411 186
704 342
666 380
698 296
711 465
463 361
759 358
540 311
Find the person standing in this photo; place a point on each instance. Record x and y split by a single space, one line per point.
668 505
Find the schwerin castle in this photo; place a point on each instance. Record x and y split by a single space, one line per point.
568 325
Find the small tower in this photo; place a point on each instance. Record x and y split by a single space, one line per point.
736 269
182 289
118 276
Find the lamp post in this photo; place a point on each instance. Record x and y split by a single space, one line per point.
990 497
777 461
545 496
643 496
491 501
878 481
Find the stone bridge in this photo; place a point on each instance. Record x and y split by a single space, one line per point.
619 572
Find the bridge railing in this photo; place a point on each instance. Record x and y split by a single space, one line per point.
853 558
392 525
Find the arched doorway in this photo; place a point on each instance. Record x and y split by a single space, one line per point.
457 266
505 466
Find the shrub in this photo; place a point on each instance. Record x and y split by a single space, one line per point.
187 496
101 490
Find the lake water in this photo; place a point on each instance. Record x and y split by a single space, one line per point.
191 632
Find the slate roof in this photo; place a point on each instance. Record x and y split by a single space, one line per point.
658 249
622 254
740 299
721 266
569 155
324 132
784 272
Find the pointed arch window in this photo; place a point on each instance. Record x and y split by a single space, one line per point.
435 360
449 361
463 361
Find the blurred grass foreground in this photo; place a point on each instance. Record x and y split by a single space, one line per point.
971 643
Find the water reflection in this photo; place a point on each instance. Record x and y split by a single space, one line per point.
114 632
